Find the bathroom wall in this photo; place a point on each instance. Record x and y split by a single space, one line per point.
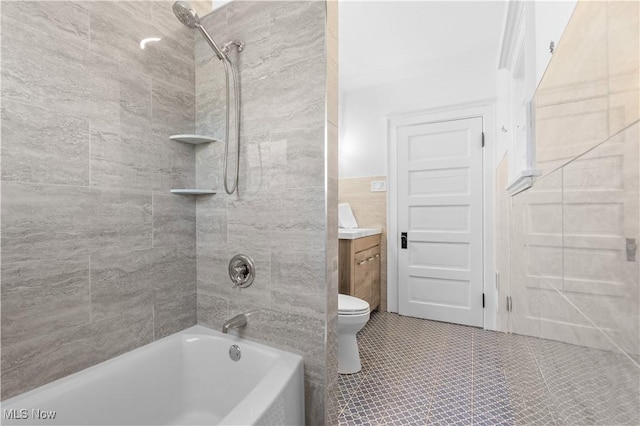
364 112
283 215
97 257
569 269
370 210
502 257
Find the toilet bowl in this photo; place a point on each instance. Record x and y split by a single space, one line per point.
353 314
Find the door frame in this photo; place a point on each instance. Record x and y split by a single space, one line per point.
486 110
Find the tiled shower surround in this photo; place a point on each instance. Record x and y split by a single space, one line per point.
279 215
98 258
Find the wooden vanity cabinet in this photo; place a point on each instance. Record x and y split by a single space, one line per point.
359 269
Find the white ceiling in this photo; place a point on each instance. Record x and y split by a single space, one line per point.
387 41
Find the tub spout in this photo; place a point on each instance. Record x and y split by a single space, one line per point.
238 321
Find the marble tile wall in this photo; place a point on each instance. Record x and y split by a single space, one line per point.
97 257
283 214
370 210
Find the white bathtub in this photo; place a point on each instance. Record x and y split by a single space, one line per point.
184 379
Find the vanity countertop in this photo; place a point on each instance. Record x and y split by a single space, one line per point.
352 234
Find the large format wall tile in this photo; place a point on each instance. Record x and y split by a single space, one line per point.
41 360
70 19
291 270
94 248
125 160
41 297
135 280
173 313
43 221
279 215
41 146
174 220
173 110
71 81
331 180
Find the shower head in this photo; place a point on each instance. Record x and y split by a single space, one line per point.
186 14
190 18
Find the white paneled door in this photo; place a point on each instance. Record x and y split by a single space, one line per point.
440 209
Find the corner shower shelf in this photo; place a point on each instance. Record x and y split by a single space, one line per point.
192 139
193 191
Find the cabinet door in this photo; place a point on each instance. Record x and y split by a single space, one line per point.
362 284
374 265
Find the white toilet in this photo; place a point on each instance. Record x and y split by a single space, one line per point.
353 314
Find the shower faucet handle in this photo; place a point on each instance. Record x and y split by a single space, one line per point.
242 271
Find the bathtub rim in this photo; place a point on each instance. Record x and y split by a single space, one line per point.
287 365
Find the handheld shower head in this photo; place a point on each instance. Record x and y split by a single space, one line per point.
186 14
190 18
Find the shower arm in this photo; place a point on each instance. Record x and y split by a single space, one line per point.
239 44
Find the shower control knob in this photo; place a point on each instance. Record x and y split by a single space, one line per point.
242 271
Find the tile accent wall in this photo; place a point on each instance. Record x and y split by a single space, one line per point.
97 257
281 215
370 210
570 279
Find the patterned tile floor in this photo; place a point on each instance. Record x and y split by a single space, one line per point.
418 372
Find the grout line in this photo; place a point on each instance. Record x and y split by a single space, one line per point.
153 322
90 293
544 379
473 338
90 143
152 219
437 373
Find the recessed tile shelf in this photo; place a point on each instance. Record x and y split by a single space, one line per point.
192 139
193 191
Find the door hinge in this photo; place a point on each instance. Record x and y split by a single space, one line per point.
509 304
483 139
483 300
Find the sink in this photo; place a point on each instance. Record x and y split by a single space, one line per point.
352 234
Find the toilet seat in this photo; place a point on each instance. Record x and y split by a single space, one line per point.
349 305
